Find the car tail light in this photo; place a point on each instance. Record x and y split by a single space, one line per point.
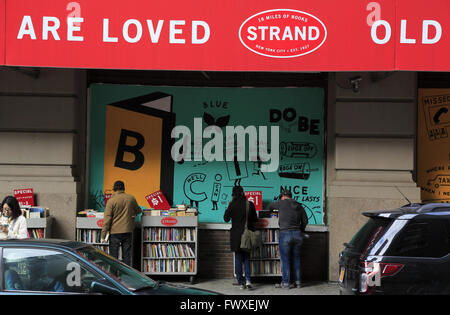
373 272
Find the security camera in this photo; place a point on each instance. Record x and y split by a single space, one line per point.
355 83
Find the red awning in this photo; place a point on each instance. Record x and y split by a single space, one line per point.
251 35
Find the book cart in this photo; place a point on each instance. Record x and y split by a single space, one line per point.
89 230
265 261
39 228
169 245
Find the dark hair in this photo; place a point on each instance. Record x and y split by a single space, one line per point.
119 185
238 192
286 193
14 205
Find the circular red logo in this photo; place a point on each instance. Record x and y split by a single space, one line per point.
100 223
262 223
169 221
282 33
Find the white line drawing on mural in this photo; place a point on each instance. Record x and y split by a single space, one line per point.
217 186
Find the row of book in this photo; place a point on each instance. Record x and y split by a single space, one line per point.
266 251
169 265
169 234
36 233
167 250
89 236
270 235
261 267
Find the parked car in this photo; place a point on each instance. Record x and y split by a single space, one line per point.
399 251
67 267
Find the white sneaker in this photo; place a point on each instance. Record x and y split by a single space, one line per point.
249 285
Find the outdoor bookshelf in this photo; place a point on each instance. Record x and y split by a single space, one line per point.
89 230
39 228
265 261
169 245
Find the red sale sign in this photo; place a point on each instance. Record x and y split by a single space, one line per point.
157 201
25 197
106 197
255 197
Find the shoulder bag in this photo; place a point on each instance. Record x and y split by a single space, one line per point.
250 240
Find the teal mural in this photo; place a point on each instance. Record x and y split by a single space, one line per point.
297 112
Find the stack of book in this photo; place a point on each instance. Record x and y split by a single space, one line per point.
35 212
191 212
89 213
179 211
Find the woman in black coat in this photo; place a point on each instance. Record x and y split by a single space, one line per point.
236 213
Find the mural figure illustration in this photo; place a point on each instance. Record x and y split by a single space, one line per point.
257 168
237 170
216 191
194 197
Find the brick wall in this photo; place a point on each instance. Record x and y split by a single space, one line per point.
215 258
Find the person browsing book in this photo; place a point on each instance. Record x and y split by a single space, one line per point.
118 222
17 224
236 212
292 221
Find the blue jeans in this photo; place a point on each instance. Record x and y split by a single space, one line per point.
240 258
290 243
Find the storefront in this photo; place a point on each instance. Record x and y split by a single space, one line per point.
328 104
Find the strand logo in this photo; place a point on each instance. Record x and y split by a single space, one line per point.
282 33
169 221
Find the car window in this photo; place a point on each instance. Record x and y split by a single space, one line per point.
127 276
424 238
368 235
42 270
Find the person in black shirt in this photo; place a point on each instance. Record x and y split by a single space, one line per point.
292 221
236 212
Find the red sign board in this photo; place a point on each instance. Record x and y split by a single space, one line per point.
2 32
106 197
267 35
25 197
100 223
255 197
157 201
169 221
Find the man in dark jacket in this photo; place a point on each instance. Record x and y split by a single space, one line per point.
118 221
292 221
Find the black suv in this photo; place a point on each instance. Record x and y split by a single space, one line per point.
400 251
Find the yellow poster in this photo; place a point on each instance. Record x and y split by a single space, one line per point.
133 144
433 144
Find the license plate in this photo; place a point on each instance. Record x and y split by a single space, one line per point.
341 275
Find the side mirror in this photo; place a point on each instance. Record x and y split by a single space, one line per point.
103 287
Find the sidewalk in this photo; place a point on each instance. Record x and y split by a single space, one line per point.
227 286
